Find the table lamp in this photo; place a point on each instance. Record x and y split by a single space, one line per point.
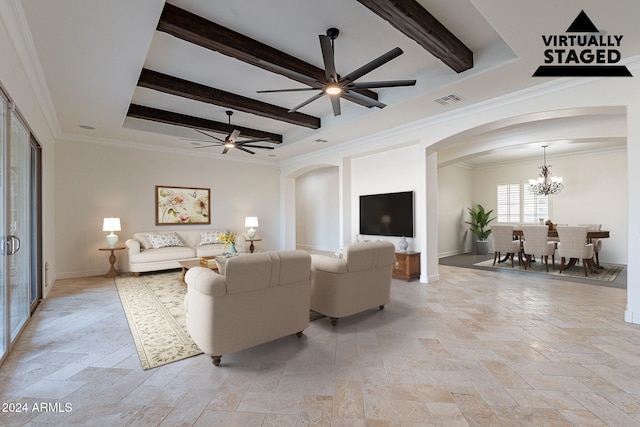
111 224
251 221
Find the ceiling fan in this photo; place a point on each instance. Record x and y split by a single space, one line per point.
345 86
231 140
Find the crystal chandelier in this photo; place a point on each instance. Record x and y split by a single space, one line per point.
545 184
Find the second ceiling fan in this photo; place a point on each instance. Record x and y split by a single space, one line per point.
336 86
231 140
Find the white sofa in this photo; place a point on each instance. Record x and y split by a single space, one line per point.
260 298
195 244
359 279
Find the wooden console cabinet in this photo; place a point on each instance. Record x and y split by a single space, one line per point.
407 266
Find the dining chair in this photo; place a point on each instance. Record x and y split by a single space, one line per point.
536 243
573 245
597 243
503 243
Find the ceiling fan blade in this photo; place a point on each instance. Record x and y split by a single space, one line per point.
328 58
234 135
226 149
335 104
207 146
244 149
389 83
308 101
362 99
372 65
301 89
255 146
292 74
210 136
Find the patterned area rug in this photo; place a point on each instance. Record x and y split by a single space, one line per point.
154 306
607 274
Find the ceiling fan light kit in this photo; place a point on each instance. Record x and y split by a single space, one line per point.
343 87
231 140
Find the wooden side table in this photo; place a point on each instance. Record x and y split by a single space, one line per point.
251 247
112 260
407 266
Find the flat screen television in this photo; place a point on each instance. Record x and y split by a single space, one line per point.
389 214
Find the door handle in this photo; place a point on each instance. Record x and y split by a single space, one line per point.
13 244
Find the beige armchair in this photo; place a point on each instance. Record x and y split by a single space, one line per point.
357 281
260 298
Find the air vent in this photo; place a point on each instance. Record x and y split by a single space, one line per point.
449 99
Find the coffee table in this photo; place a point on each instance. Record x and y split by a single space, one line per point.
186 265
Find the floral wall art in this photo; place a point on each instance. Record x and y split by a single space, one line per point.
180 205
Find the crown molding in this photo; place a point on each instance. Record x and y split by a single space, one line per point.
17 27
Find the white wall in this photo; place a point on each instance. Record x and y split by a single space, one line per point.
94 181
318 210
455 195
391 171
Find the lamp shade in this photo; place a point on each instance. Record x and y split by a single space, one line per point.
251 221
111 224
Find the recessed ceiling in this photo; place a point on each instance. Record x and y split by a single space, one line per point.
91 56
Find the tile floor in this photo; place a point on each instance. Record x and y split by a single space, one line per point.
475 348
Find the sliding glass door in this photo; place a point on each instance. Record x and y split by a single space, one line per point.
20 269
4 321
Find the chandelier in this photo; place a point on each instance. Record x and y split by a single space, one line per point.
545 184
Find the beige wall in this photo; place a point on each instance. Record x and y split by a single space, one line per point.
94 181
318 210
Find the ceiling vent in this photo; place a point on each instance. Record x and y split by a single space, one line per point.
449 99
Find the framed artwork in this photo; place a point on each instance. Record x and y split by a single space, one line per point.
181 205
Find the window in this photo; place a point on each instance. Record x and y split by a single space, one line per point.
517 203
509 203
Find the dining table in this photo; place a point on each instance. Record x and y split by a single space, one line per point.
591 234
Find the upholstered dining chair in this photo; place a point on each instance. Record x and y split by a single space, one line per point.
597 243
536 243
573 245
503 242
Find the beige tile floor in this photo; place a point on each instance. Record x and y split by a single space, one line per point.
475 348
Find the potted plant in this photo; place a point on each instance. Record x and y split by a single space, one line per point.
480 219
229 240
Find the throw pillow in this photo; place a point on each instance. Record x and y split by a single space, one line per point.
339 253
163 240
209 238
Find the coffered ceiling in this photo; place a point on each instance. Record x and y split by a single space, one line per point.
145 73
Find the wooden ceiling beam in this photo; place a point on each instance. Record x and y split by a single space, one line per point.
177 119
195 29
175 86
414 21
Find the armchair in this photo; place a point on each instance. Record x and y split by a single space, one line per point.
358 281
260 298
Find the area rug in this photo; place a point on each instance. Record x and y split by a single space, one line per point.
154 306
606 274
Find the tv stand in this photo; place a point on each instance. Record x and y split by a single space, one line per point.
407 266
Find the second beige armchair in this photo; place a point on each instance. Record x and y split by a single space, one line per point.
357 281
